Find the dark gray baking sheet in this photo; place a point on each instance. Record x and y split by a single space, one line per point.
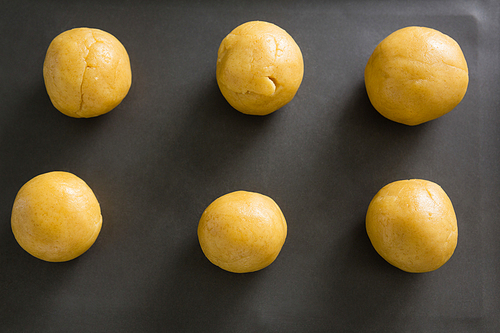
174 145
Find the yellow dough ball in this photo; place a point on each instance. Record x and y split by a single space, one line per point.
415 75
412 225
242 231
87 72
56 216
259 68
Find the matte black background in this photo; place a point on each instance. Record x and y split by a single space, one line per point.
174 145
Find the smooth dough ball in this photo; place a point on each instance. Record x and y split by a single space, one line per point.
56 217
412 225
415 75
242 231
87 72
259 68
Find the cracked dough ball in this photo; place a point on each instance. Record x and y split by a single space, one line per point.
415 75
242 231
56 217
412 225
87 72
259 68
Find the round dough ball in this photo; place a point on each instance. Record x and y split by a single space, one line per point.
56 216
87 72
412 225
415 75
242 231
259 68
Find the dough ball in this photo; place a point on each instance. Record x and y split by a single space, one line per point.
87 72
242 231
416 74
56 217
259 68
412 225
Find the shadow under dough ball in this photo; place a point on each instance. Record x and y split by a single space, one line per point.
86 72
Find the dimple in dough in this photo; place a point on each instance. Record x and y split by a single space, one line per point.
259 68
87 72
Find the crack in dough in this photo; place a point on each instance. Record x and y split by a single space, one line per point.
430 63
89 49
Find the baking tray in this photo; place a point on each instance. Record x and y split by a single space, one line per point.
174 145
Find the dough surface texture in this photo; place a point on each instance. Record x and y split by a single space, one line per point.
412 225
56 216
86 72
415 75
242 231
259 68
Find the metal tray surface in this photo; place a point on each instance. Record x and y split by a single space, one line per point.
174 145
